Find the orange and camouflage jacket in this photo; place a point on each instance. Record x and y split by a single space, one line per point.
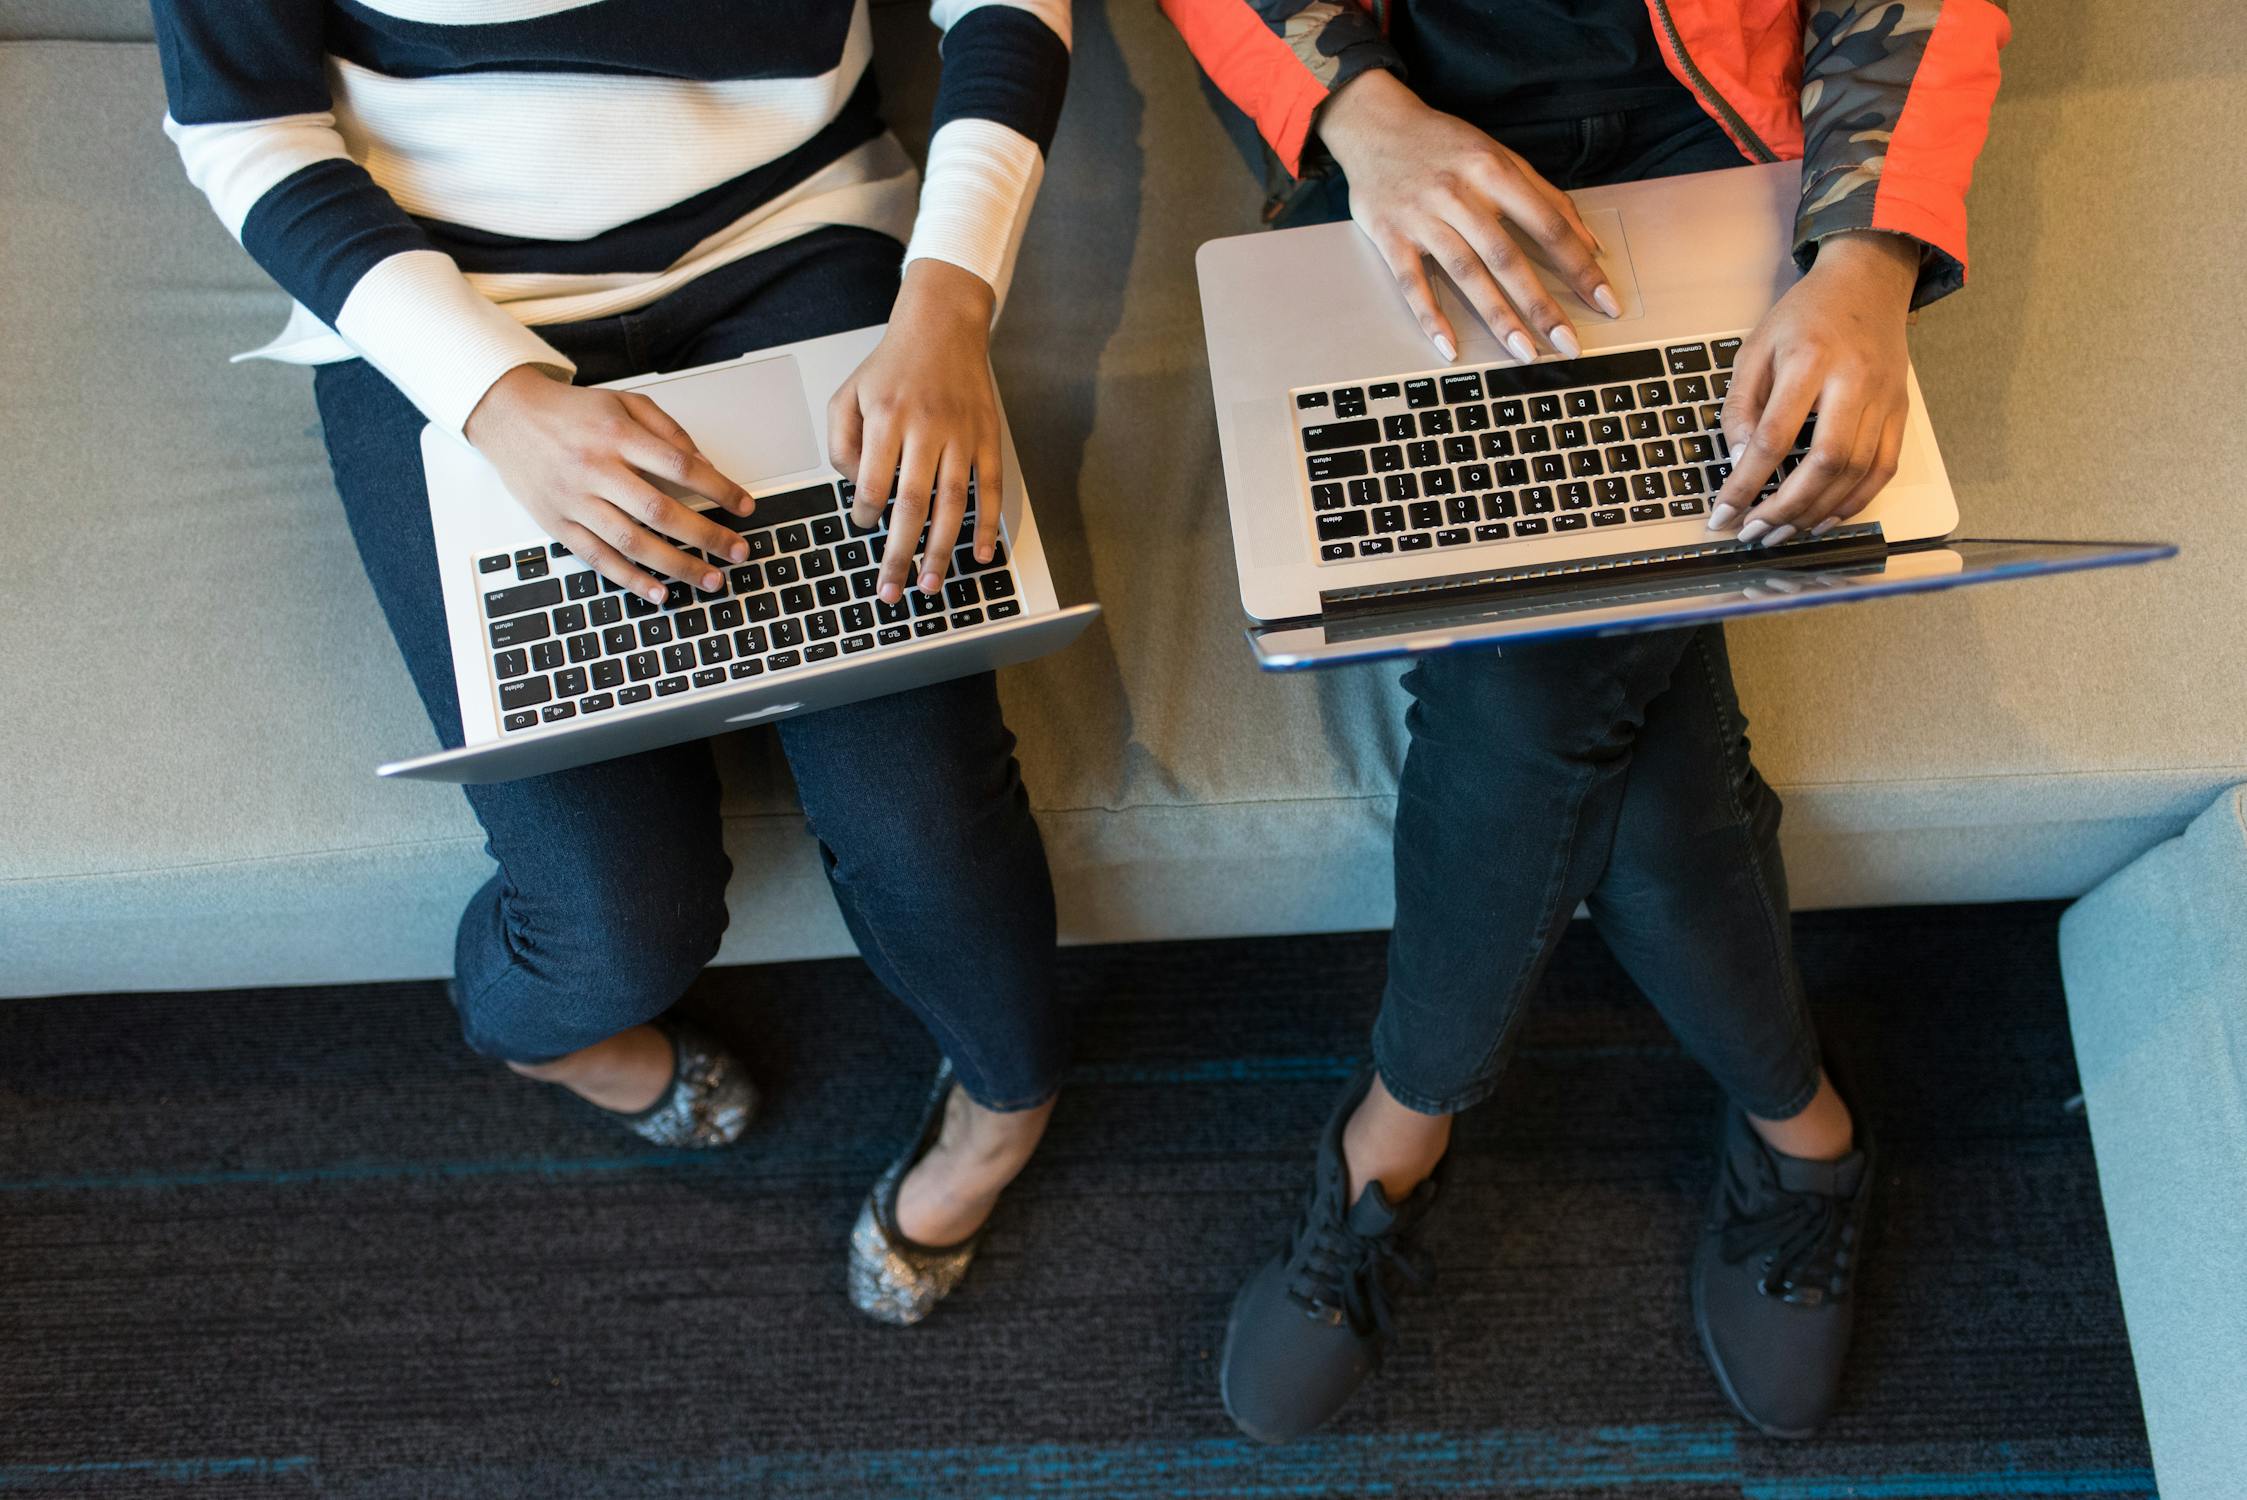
1885 102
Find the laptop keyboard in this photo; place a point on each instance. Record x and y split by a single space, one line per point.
566 642
1458 458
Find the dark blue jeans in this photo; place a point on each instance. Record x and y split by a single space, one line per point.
611 890
1612 772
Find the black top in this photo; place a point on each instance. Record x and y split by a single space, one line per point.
1510 62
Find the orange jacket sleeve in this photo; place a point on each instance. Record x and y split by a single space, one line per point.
1277 60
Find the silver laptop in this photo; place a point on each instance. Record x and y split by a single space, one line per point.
557 667
1382 504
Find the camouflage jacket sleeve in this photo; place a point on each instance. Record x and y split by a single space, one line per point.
1896 98
1277 60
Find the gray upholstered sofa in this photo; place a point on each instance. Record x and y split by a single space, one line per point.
195 684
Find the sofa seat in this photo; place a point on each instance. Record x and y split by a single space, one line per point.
198 683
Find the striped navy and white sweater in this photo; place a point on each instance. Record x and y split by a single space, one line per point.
431 179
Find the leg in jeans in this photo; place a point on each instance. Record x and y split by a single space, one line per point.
610 892
923 822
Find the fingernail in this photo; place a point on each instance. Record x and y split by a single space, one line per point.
739 552
655 596
928 583
1778 535
710 582
1754 529
1722 516
1524 350
1564 339
983 554
890 591
1828 524
1604 295
1444 348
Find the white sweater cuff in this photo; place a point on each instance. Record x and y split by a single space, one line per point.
415 318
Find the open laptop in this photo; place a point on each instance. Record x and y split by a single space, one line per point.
556 667
1382 505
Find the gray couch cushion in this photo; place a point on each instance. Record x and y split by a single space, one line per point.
194 807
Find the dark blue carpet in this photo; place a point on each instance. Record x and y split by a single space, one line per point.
301 1243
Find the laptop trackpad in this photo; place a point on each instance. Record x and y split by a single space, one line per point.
750 420
1622 275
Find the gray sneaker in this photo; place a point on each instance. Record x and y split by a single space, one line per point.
1773 1276
1309 1327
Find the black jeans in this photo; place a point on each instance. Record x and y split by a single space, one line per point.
1613 772
610 893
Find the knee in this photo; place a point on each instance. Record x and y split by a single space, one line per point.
1556 701
627 939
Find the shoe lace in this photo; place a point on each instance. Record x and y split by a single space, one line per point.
1806 1239
1337 1272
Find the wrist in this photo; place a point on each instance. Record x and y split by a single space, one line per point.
1876 257
936 291
504 395
1372 103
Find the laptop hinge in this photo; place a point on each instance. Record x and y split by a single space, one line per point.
1841 545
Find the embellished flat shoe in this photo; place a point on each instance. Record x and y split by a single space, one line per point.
710 1101
894 1279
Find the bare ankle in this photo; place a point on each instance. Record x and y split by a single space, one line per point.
1822 1131
1386 1142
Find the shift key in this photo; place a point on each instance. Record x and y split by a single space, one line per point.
513 601
1324 435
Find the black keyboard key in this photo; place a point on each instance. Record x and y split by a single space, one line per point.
557 711
1388 519
851 556
1622 460
1436 423
1548 467
781 661
1685 481
1005 609
641 665
1648 487
493 563
513 601
788 633
1507 413
584 647
1537 500
1643 424
678 656
637 608
690 623
1494 531
1461 510
569 619
1421 392
924 604
750 641
1324 466
742 669
821 652
1425 514
511 664
831 590
1420 454
761 607
1497 445
1473 418
1305 400
639 692
781 571
1383 391
1584 465
527 717
1686 507
1544 408
892 614
1533 440
1698 449
1570 521
1402 487
1399 427
709 677
825 627
726 615
1415 541
1607 430
712 649
1512 473
596 703
966 619
1570 435
1534 526
571 683
853 644
1654 393
1436 482
1327 497
1720 384
1576 496
521 630
1475 477
930 625
1582 403
1499 507
890 635
1459 450
1685 359
605 610
608 673
1322 436
677 595
547 655
525 556
1464 386
1607 518
665 687
1679 420
1376 546
1388 459
618 639
654 632
961 593
827 530
524 692
1453 536
1693 388
1616 398
1611 490
1337 551
1647 512
1658 455
798 599
1348 402
858 616
582 585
